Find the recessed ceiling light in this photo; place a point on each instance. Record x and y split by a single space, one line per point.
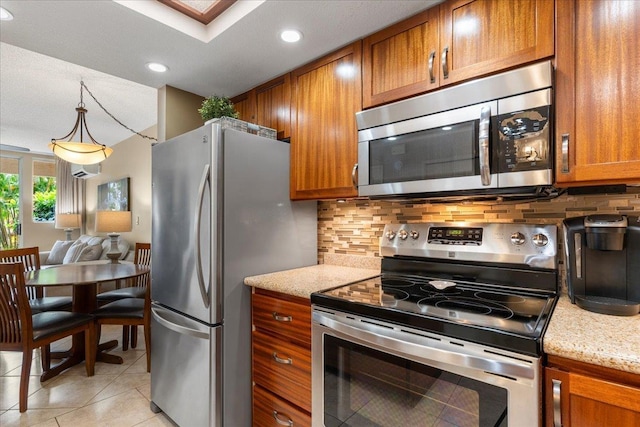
291 36
157 67
5 15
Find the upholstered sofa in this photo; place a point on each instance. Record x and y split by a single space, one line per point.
85 249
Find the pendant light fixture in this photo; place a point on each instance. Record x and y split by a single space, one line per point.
80 152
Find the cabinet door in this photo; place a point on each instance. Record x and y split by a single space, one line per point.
597 77
589 402
402 60
324 142
273 105
245 106
479 37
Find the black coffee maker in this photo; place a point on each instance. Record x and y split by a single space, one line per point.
603 263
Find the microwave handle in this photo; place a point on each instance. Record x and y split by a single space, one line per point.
483 145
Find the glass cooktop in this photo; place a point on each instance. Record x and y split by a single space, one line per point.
452 301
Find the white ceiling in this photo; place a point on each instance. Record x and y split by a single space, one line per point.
51 45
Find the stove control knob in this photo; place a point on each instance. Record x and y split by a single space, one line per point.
517 238
403 234
414 234
390 234
540 240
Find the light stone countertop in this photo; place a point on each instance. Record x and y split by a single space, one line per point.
304 281
599 339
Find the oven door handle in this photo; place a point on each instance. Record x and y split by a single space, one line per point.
433 355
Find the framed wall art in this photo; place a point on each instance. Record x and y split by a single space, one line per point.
114 195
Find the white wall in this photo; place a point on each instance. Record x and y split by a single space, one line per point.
131 158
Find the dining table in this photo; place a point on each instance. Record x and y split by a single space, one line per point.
84 279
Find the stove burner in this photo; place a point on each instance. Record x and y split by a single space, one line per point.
397 282
390 297
500 298
432 292
474 306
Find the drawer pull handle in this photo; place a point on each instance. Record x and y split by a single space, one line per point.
280 318
557 403
276 417
286 361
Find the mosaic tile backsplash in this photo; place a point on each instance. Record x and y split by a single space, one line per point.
355 227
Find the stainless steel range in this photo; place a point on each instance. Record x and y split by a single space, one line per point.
449 334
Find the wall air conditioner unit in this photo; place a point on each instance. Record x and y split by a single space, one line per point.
85 171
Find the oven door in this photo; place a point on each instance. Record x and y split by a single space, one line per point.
443 152
368 373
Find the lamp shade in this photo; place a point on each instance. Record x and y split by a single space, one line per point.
113 221
80 153
68 220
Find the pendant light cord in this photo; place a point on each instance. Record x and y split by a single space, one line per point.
82 85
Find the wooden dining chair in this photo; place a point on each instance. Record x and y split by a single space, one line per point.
21 330
136 289
30 259
129 312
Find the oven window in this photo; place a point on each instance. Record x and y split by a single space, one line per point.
366 387
447 152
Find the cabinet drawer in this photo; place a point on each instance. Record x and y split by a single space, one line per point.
283 368
268 409
287 318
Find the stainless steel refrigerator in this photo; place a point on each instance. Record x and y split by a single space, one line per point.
220 212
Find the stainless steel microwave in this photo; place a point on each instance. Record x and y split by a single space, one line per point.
488 137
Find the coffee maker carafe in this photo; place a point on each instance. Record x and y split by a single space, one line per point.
603 263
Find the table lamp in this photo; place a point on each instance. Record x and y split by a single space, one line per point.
113 222
68 221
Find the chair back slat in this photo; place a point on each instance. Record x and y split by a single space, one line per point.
142 256
15 312
30 259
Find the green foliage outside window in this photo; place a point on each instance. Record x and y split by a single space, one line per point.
44 198
9 210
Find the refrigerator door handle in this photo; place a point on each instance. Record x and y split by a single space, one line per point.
181 329
198 220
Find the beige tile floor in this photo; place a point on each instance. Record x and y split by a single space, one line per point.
118 395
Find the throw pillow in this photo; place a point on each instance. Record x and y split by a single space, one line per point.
91 240
58 251
74 252
90 253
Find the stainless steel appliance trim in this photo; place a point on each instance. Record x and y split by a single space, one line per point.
363 165
577 241
428 185
496 246
425 122
525 178
524 101
521 80
518 374
197 223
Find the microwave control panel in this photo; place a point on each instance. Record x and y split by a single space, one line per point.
525 140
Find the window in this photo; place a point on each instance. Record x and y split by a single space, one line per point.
44 191
9 202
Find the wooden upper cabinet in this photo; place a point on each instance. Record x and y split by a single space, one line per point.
479 37
245 106
268 105
401 60
597 86
327 93
273 105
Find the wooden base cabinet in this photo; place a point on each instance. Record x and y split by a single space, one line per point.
597 83
281 358
581 395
